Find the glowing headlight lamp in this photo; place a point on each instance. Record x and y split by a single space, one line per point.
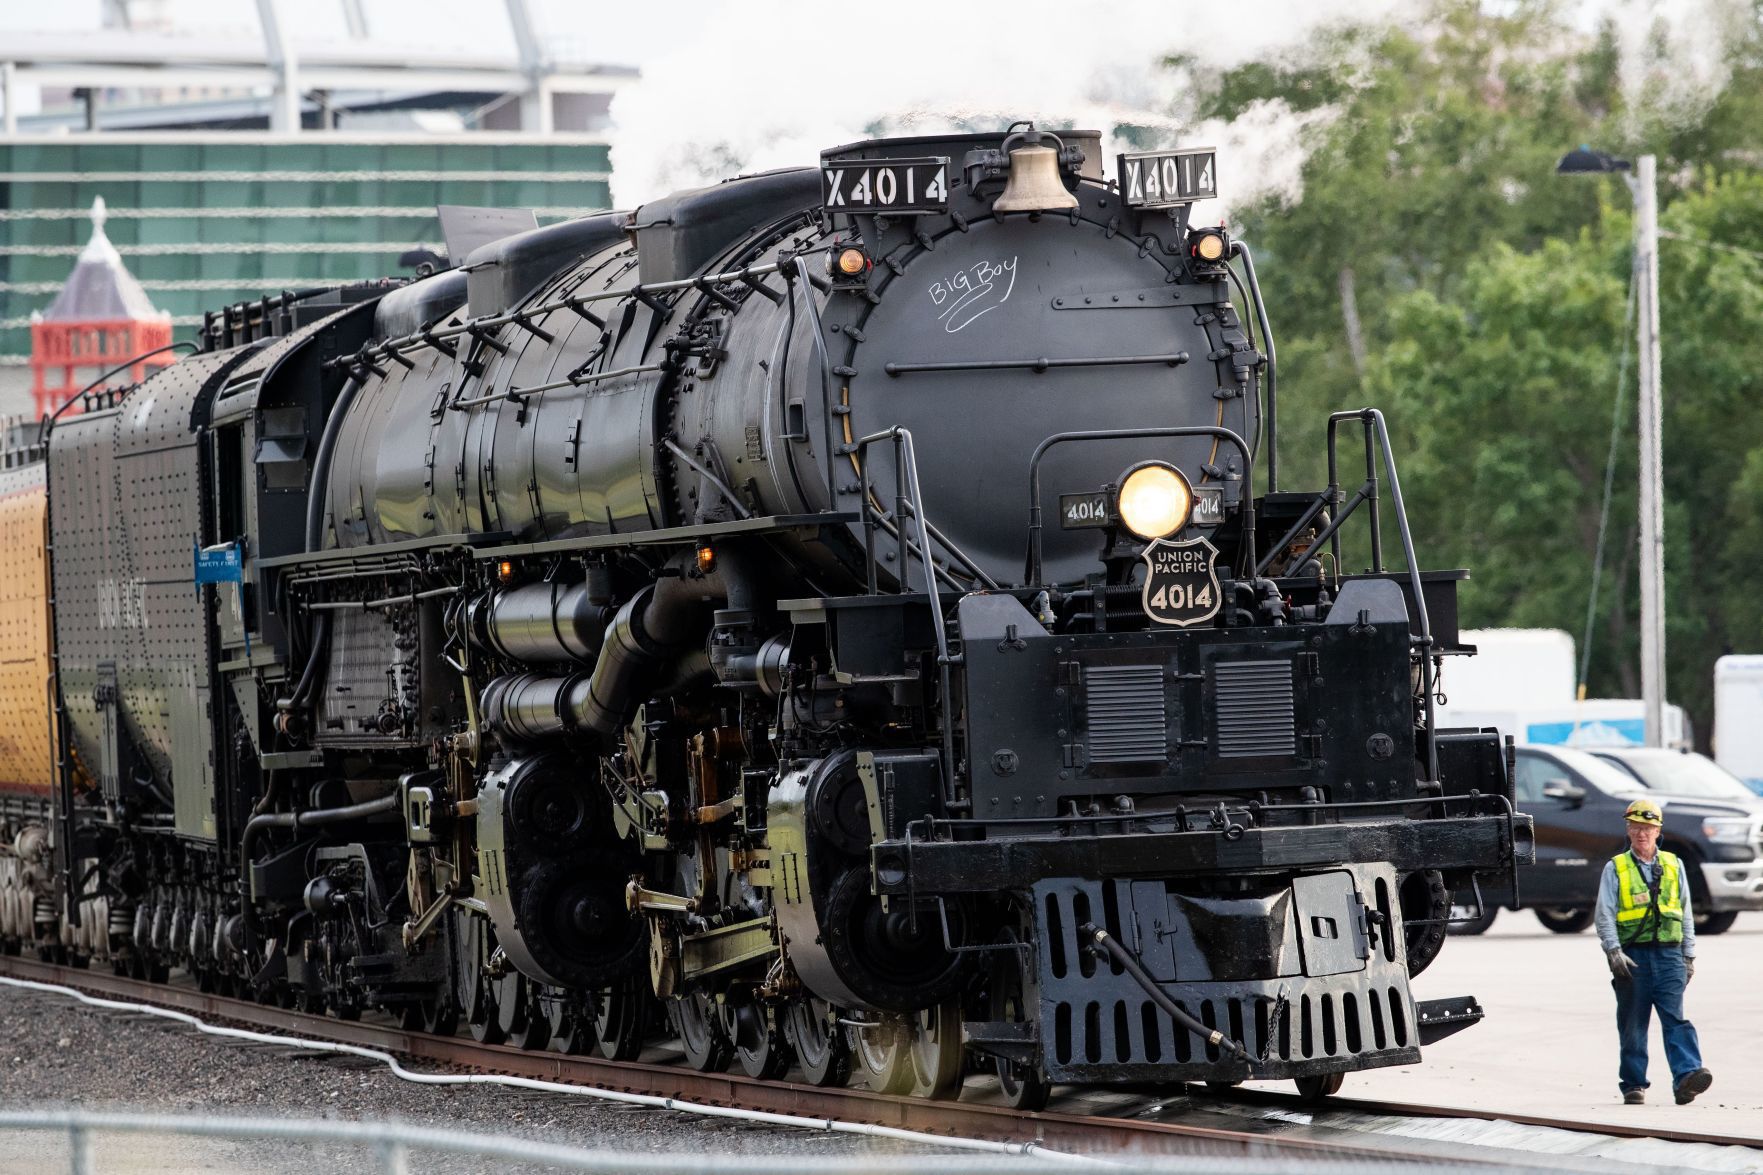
1155 500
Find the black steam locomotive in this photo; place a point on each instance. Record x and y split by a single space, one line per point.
837 617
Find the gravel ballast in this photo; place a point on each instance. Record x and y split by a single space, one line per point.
58 1054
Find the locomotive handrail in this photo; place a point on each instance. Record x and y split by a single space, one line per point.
1476 800
432 336
1117 434
573 381
908 492
1376 427
1039 364
1241 249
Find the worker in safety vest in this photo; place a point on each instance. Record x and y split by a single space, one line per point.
1649 935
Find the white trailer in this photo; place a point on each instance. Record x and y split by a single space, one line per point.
1738 717
1524 682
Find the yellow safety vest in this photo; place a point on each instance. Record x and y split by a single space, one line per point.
1637 921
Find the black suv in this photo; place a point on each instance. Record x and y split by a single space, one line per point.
1577 800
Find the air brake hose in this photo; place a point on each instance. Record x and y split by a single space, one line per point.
1101 942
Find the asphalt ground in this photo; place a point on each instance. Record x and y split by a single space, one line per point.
1548 1044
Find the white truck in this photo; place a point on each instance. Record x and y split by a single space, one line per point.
1738 717
1523 681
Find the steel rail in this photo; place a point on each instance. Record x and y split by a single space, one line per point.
1047 1129
1050 1129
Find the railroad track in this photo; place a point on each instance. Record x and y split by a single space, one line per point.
1077 1133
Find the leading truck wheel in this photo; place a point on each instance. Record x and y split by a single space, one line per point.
1013 998
1314 1089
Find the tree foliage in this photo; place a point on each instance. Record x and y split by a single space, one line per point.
1490 296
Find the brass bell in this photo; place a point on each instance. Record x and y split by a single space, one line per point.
1034 184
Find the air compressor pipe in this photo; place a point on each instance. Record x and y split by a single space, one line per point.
311 819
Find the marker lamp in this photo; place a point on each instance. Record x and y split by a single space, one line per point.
1154 501
852 262
1207 245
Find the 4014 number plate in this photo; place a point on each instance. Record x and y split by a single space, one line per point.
885 185
1181 582
1165 179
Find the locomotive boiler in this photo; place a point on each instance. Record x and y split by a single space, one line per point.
843 618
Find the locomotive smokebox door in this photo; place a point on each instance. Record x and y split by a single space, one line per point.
1181 582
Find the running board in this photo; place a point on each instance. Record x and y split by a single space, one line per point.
1440 1018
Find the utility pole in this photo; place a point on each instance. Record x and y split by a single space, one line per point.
1644 188
1643 185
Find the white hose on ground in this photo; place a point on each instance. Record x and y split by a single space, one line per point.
834 1125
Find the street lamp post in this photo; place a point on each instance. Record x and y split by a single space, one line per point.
1643 186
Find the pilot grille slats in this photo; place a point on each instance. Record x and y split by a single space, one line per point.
1255 714
1127 720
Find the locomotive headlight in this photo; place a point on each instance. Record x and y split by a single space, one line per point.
1155 500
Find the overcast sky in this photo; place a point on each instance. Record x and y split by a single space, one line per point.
744 85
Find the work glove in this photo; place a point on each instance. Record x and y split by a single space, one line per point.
1621 965
1689 968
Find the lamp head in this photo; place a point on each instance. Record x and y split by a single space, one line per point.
1585 161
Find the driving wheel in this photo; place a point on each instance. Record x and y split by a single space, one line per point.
938 1056
619 1020
815 1035
760 1046
699 1026
883 1052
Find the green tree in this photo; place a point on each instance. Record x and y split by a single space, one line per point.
1488 297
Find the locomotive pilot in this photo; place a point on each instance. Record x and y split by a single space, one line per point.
1649 936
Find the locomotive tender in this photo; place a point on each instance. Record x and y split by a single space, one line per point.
841 617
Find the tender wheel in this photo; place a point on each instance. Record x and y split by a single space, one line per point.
812 1028
760 1046
620 1017
1562 920
699 1025
1314 1089
1716 923
1462 921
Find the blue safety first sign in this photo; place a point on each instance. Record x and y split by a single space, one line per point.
219 564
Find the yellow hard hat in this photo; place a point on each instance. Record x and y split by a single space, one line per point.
1644 811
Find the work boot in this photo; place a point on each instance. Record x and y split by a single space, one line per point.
1634 1097
1694 1082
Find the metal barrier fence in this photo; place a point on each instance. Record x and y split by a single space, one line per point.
393 1142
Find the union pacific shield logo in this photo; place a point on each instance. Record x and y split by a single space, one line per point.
1181 582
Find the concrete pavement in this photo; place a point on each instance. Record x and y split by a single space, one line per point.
1548 1044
